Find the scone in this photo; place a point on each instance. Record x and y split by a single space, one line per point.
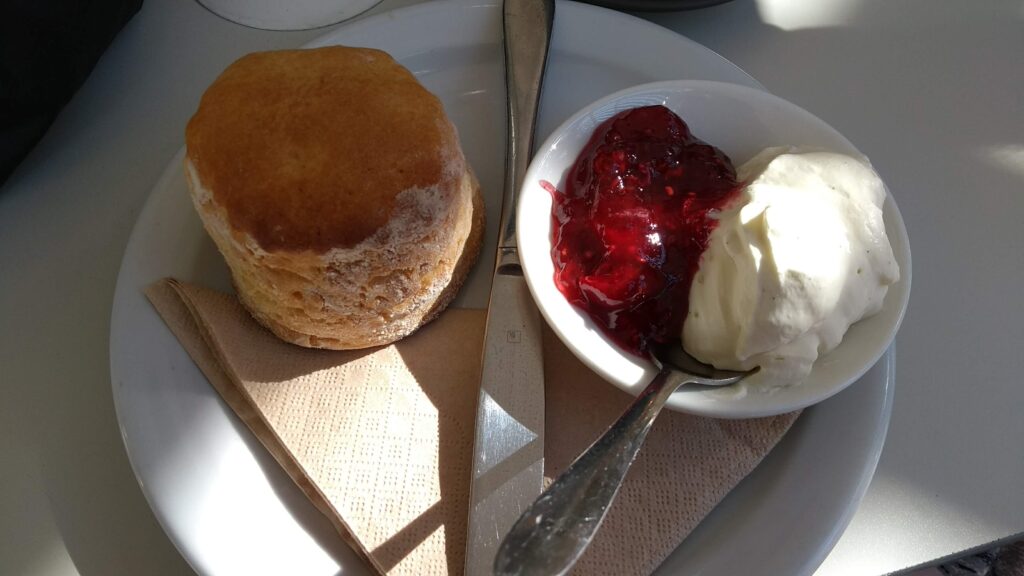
334 186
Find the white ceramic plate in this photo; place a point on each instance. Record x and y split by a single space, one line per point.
741 121
222 499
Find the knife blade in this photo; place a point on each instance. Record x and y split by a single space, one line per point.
508 451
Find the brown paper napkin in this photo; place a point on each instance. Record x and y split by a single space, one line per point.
380 440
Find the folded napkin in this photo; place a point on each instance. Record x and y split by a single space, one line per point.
380 440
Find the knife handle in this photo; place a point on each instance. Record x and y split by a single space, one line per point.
527 27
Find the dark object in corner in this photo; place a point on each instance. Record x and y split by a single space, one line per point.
47 49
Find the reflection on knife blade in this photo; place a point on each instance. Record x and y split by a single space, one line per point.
508 460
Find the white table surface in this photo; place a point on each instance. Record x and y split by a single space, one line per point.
931 90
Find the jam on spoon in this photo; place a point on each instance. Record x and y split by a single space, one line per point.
633 222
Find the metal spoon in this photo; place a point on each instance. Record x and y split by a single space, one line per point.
555 530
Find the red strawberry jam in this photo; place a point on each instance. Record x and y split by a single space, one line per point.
633 222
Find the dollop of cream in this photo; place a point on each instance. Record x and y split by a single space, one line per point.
797 258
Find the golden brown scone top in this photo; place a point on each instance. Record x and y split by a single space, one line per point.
307 149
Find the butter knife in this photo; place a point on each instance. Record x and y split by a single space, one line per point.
508 451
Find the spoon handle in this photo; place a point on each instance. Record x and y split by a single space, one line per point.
555 530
